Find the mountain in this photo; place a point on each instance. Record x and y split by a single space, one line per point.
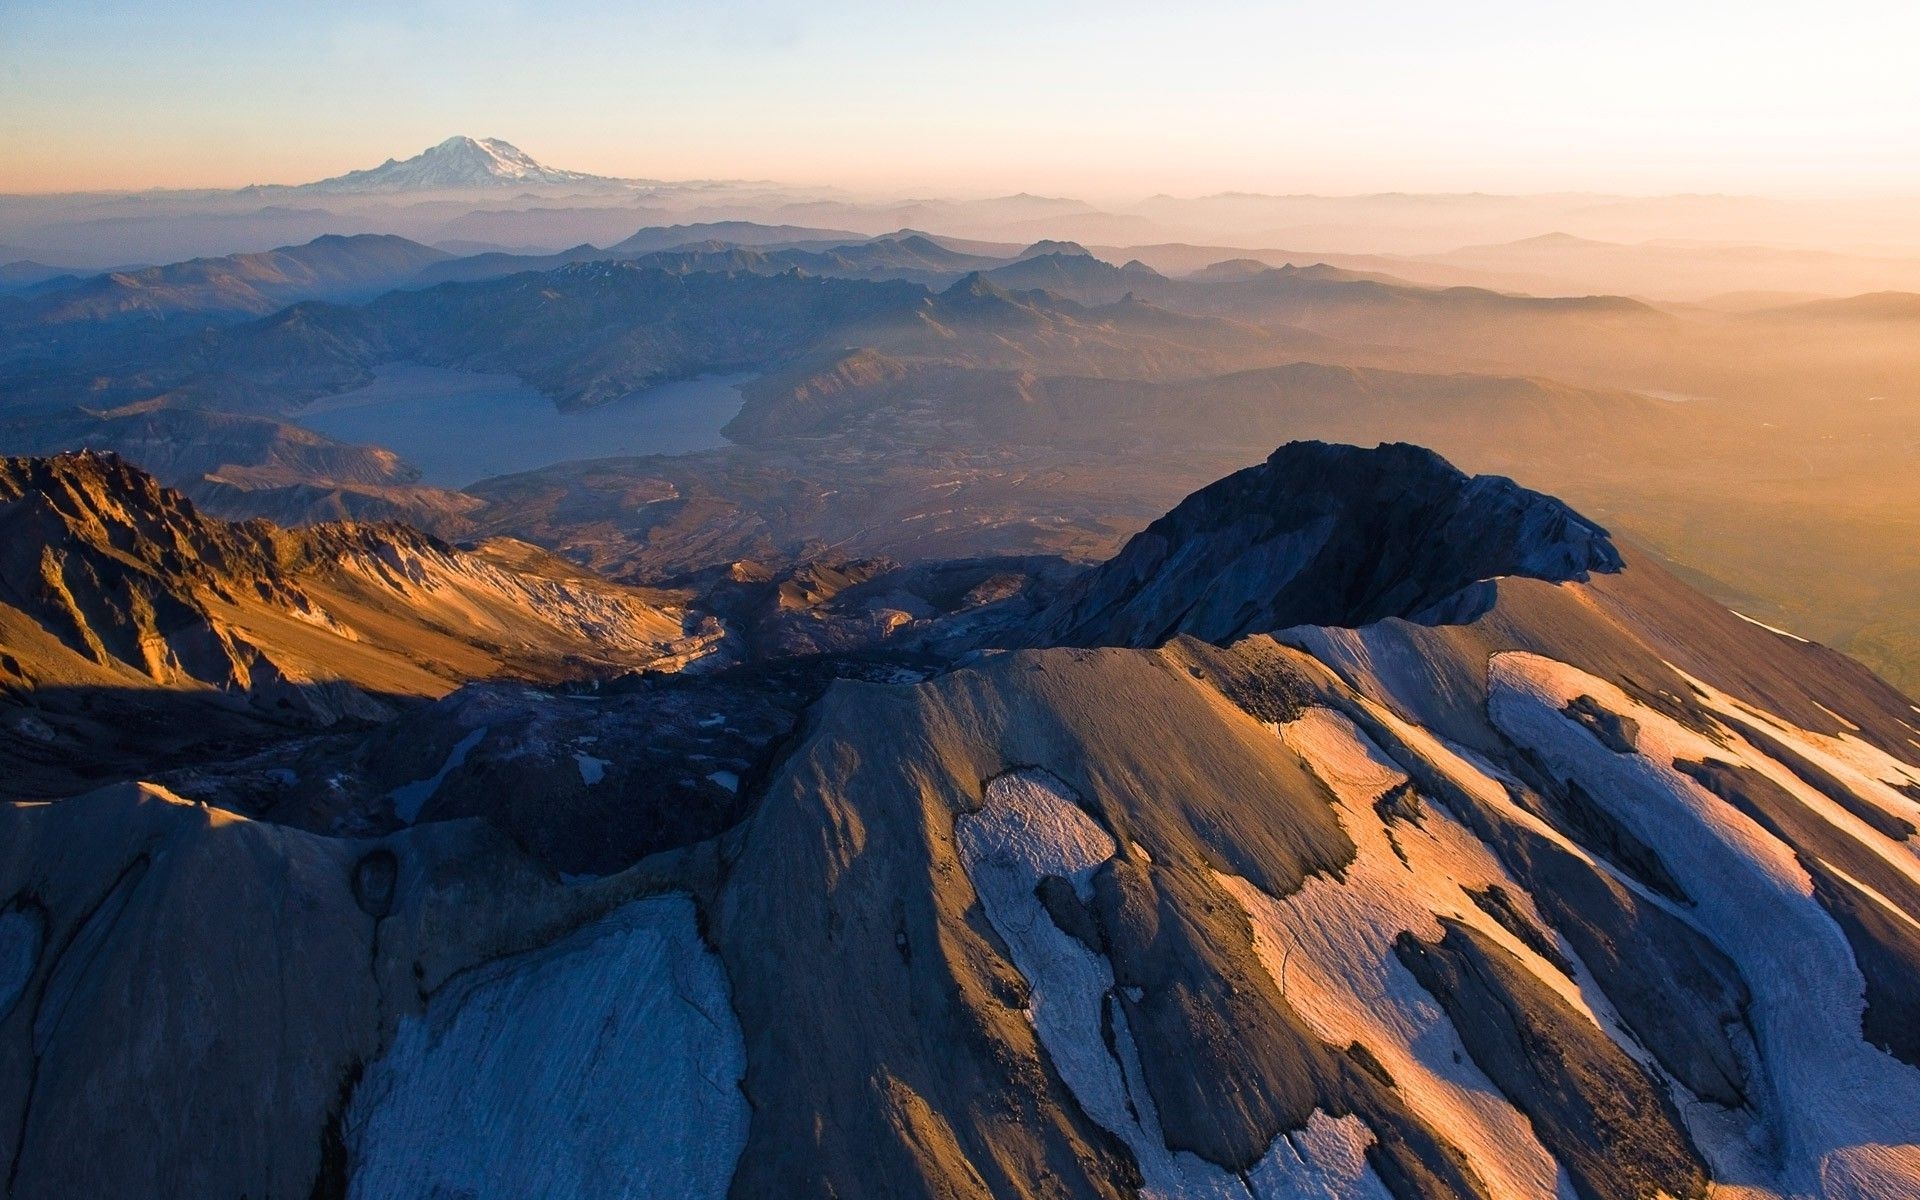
925 251
241 466
1231 270
1584 887
105 556
1875 308
115 585
589 332
497 264
736 233
218 289
1543 428
584 334
27 275
186 444
1078 275
1319 288
976 323
457 164
912 257
1315 536
1047 247
593 332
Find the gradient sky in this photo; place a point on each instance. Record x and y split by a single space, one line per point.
1108 100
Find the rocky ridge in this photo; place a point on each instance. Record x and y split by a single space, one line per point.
1327 535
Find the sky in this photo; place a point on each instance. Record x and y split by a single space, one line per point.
1099 100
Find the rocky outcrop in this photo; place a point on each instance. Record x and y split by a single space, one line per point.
124 572
132 579
139 635
235 1080
1327 535
1585 1097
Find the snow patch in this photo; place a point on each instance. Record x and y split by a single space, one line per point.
1836 716
1329 949
1325 1161
408 799
1029 827
592 770
1831 1094
1769 628
608 1064
1869 772
1871 1172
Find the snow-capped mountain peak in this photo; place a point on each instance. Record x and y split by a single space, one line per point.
457 164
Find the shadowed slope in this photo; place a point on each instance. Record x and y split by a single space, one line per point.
1326 535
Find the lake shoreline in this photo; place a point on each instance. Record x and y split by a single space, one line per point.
459 427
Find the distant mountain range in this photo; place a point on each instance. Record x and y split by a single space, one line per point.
332 267
486 195
1050 347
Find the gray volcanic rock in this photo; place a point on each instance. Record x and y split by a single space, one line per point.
210 990
1597 891
1584 1096
1326 535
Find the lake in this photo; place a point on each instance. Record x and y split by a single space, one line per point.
460 427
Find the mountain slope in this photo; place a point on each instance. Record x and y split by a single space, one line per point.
584 334
1875 307
1590 888
1075 273
110 577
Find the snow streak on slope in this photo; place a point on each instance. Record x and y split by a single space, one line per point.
1885 783
607 1065
1028 828
409 798
1847 1114
1329 948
